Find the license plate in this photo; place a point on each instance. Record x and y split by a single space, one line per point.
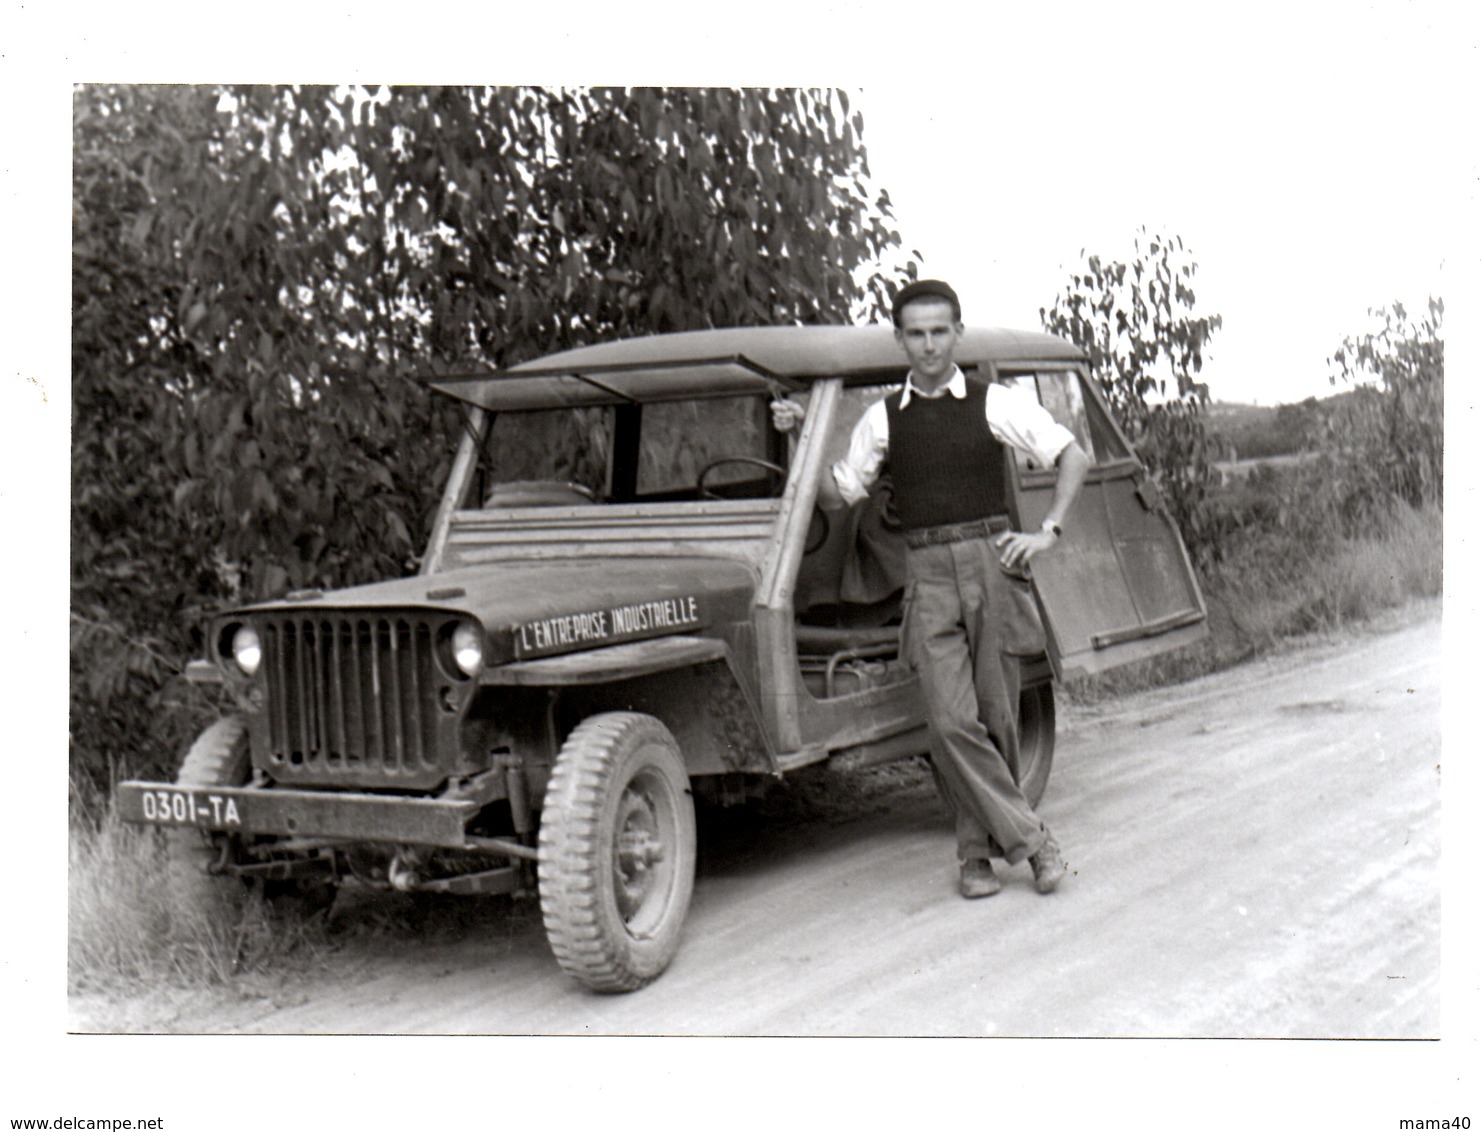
178 805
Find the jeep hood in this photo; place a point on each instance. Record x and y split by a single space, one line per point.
544 608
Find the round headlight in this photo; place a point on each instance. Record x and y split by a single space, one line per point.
468 648
246 649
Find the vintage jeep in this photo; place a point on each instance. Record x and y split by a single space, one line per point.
630 598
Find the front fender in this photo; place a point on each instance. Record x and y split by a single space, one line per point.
687 682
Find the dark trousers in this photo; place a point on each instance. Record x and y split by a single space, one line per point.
966 623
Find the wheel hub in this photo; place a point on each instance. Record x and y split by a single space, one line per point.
639 847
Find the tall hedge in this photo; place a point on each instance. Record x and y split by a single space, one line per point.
256 272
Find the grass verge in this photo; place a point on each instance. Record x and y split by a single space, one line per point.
127 928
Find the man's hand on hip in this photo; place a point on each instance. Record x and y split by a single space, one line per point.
1017 548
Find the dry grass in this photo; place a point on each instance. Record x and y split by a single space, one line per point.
126 928
116 911
1338 584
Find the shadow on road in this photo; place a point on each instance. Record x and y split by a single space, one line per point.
809 810
802 814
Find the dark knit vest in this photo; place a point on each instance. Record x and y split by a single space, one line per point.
945 464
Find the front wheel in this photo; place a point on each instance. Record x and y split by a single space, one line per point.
218 757
1035 740
202 893
617 851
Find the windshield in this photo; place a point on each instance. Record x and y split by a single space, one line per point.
655 451
683 438
554 446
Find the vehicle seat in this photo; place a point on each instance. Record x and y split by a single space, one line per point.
539 493
823 640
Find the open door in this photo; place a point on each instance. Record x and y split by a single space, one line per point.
1120 586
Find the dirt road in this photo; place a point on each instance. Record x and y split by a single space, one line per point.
1253 854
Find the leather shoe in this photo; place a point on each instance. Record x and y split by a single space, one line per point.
978 879
1048 865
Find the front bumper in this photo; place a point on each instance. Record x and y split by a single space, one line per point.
300 813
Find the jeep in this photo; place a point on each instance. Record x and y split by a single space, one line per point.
630 599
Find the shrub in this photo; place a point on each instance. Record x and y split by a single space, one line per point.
1386 441
1136 323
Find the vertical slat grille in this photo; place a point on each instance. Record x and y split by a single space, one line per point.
354 697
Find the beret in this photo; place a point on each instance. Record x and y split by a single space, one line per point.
925 289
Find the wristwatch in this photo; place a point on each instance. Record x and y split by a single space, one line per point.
1050 527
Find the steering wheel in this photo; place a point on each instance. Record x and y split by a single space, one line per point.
819 527
755 461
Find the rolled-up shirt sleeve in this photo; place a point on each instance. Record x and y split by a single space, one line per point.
856 472
1016 418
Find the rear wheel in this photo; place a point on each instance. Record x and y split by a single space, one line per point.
617 851
1035 740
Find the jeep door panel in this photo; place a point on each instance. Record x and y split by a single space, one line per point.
1120 586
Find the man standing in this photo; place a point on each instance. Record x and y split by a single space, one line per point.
968 612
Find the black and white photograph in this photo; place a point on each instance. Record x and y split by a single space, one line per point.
841 551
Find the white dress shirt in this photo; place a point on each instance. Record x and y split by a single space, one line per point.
1014 416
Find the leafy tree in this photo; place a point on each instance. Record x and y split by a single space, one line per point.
139 569
1137 325
256 272
1386 438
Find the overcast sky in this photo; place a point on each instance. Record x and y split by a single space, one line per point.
1308 162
